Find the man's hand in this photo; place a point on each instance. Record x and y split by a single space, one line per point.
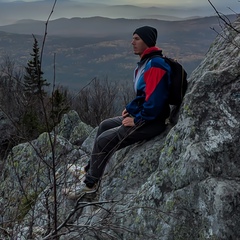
128 122
125 113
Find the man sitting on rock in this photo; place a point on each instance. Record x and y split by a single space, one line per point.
143 118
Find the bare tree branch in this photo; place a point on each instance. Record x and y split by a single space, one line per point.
223 18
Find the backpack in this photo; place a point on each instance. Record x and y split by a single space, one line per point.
179 82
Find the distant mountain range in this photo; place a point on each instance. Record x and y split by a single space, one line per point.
101 47
108 27
12 11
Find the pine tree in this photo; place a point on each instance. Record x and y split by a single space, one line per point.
60 105
35 95
34 82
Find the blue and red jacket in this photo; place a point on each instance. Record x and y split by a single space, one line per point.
151 82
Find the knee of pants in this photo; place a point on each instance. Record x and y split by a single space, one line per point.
104 145
103 126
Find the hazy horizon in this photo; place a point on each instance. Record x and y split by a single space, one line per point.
13 11
176 3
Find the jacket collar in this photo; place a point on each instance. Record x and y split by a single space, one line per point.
149 52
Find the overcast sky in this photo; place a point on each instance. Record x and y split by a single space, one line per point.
234 4
228 3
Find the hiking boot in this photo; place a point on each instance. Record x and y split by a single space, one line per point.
77 191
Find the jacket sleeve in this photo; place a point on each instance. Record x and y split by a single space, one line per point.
154 99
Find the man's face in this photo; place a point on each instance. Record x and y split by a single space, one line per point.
139 46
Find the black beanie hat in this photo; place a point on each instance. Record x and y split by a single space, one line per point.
147 34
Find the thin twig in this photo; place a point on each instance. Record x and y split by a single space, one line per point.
72 212
220 15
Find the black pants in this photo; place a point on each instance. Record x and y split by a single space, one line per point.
112 136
